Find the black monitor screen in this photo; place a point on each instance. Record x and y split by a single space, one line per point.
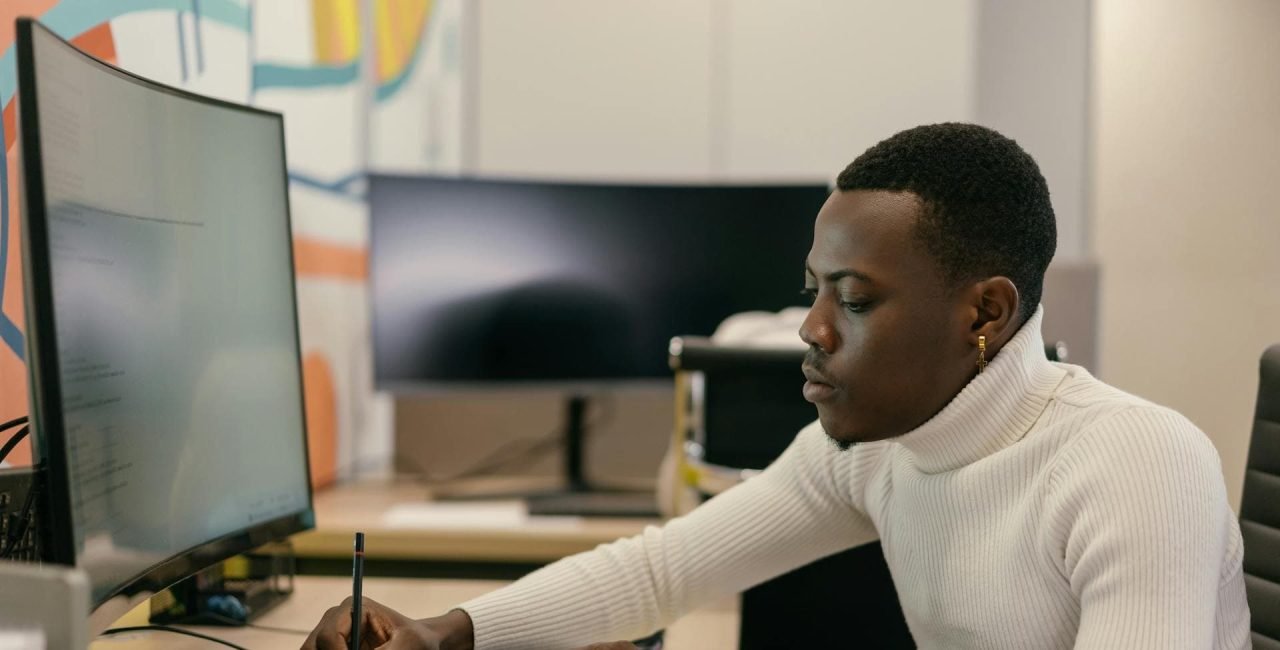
161 311
505 281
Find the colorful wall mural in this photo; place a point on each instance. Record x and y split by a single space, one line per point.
348 107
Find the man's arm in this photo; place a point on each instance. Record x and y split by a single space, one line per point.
1139 514
796 511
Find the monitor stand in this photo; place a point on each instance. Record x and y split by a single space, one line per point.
576 496
579 497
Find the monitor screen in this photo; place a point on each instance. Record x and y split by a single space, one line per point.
483 281
161 311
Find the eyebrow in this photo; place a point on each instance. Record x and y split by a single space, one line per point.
836 276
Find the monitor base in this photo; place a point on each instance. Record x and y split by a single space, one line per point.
233 593
595 503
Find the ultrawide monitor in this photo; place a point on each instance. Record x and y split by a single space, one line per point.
162 321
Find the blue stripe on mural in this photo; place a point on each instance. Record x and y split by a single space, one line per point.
71 18
387 90
182 48
271 75
13 337
78 16
199 40
342 187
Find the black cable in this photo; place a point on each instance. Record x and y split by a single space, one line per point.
13 441
519 451
526 450
5 426
175 630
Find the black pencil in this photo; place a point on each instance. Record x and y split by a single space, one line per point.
357 577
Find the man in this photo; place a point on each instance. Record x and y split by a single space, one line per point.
1020 503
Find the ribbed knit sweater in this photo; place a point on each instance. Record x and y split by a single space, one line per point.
1041 508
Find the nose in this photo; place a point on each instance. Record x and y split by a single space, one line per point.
816 330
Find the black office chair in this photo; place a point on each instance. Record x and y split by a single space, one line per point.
1260 508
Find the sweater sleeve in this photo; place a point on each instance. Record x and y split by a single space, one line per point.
1140 521
796 511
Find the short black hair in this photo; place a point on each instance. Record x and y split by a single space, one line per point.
986 208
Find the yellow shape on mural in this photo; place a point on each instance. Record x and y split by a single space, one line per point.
398 25
337 30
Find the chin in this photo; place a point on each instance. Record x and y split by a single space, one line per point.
844 434
840 433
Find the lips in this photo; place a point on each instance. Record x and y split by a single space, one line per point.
817 388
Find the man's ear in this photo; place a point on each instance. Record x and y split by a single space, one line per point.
996 305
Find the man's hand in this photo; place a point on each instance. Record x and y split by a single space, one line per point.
385 628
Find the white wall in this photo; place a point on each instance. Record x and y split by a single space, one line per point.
699 89
1033 86
1187 228
804 87
569 88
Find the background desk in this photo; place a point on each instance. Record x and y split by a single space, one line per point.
484 552
711 628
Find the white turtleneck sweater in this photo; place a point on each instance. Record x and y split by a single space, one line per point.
1041 508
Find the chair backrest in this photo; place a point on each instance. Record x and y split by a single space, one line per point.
1260 508
745 403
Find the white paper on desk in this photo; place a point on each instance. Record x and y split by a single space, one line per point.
470 514
22 639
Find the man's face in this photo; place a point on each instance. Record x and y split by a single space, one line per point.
888 344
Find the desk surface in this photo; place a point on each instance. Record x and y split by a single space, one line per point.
710 628
344 509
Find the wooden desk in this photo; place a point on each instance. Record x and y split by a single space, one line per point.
344 509
710 628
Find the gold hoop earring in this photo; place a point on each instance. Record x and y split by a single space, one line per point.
982 354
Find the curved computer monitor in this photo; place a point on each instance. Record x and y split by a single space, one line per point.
162 322
492 282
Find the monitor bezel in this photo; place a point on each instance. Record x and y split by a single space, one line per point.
42 353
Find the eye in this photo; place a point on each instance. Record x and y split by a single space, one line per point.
810 294
856 306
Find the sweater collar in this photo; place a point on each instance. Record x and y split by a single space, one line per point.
996 409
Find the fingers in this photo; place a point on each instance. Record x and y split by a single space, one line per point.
412 637
333 630
378 625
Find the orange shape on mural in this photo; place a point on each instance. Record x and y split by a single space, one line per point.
322 419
